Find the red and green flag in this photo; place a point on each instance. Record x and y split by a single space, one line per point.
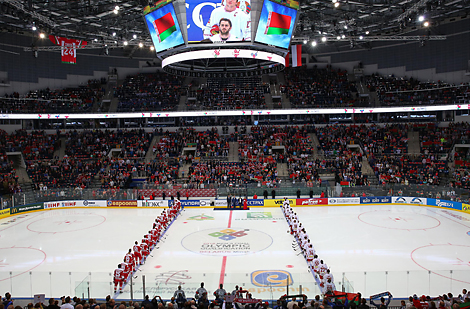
277 24
464 305
164 26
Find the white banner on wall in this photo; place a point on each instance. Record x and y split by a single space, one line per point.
152 203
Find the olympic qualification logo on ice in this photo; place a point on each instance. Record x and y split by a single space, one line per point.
226 241
273 278
228 234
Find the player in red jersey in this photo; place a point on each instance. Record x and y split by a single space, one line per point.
118 278
155 233
129 259
150 240
145 251
137 254
126 269
145 239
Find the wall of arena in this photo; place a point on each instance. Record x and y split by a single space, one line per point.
220 203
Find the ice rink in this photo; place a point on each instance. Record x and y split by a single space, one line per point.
376 248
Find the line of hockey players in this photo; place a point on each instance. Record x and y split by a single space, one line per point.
317 266
139 253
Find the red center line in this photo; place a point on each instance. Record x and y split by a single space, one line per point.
224 259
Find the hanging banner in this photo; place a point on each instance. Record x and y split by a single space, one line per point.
69 48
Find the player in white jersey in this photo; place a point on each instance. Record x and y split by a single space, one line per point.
118 278
328 275
241 23
310 253
329 286
294 227
322 268
316 263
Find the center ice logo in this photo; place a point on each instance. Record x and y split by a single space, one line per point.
228 234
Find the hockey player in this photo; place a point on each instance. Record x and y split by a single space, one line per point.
137 253
316 263
328 275
322 268
126 270
200 291
129 259
329 287
294 227
150 240
145 251
118 278
241 23
310 254
220 294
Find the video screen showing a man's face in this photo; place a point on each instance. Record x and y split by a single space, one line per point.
224 28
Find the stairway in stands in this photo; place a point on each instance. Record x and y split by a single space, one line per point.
60 152
150 156
233 152
413 142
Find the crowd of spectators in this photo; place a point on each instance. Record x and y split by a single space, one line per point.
8 176
275 143
68 172
47 101
306 88
232 173
402 91
149 92
223 93
35 145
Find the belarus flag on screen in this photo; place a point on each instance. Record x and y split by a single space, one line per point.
164 26
277 24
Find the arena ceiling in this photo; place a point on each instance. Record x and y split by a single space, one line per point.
96 21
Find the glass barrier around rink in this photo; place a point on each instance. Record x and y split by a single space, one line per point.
403 284
268 286
265 285
416 190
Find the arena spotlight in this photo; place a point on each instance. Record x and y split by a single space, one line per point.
116 8
114 33
338 38
314 43
152 48
115 11
421 18
361 37
141 45
134 36
125 43
305 41
323 39
42 35
336 4
343 36
367 32
426 24
34 27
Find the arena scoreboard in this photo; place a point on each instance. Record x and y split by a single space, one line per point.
221 38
